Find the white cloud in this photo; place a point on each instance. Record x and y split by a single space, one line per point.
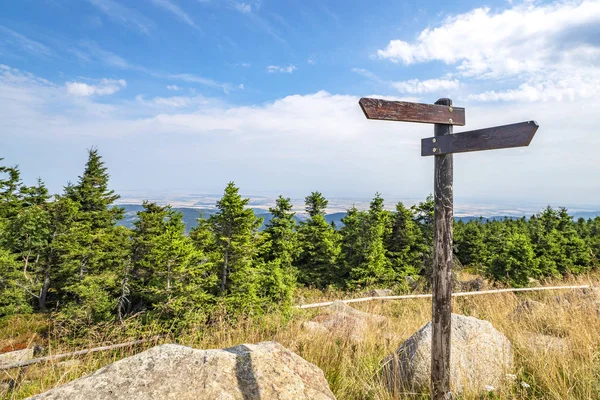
103 88
174 88
174 102
416 86
276 68
108 58
175 10
124 15
531 44
302 135
412 86
191 78
244 8
22 42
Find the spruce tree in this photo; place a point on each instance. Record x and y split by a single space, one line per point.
516 263
404 243
235 229
352 238
279 252
319 246
93 195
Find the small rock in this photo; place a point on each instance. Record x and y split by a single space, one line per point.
562 301
528 307
411 282
474 285
547 343
16 356
592 293
314 328
343 320
380 292
534 282
69 363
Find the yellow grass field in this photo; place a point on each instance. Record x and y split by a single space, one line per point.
564 365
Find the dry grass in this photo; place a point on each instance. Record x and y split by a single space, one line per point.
564 364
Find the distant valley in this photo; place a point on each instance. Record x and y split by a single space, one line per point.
191 215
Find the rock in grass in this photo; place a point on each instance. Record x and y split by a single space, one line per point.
343 320
246 372
380 292
528 307
547 344
16 356
314 328
481 356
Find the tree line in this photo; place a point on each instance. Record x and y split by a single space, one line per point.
67 253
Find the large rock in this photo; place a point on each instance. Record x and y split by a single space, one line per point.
343 320
263 371
481 356
16 356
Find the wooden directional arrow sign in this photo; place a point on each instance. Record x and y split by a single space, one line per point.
412 112
498 137
443 115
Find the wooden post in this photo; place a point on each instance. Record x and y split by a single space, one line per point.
444 143
442 266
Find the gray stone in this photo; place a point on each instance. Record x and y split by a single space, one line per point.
528 307
547 344
533 282
250 371
73 363
16 356
314 328
592 293
343 320
474 285
481 356
380 292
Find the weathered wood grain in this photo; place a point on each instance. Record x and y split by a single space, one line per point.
441 319
498 137
412 112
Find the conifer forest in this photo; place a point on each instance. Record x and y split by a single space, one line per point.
66 254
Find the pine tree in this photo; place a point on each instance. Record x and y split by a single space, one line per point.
89 271
319 246
279 252
352 244
516 263
93 196
10 196
235 229
63 212
469 244
403 243
364 238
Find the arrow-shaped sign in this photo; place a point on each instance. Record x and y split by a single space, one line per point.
412 112
498 137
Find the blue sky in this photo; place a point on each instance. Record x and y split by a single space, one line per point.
187 95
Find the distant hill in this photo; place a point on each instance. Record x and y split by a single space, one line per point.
190 216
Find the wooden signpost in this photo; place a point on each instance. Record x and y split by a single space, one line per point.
442 145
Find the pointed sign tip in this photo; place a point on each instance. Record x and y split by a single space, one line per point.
412 112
